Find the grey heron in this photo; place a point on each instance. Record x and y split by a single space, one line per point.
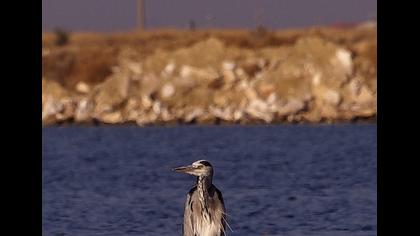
204 210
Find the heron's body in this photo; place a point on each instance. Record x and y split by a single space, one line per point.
197 218
204 212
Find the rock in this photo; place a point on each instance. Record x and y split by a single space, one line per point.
328 112
239 72
100 109
223 114
53 89
313 116
190 116
228 65
354 88
238 115
271 98
220 99
83 110
134 67
146 102
50 109
216 112
188 72
169 69
131 109
141 120
265 89
166 115
228 76
206 118
292 106
69 107
316 79
251 94
167 91
365 113
258 109
331 97
344 58
156 108
82 87
111 93
111 118
312 62
148 84
365 96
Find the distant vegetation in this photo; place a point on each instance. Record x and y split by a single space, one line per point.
62 37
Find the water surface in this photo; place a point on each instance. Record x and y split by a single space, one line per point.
276 180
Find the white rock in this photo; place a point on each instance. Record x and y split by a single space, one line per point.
112 118
240 72
316 79
169 68
291 107
228 65
259 109
132 109
166 116
146 101
134 67
51 108
185 71
156 108
193 114
167 90
82 110
344 57
237 115
189 71
82 87
272 98
215 111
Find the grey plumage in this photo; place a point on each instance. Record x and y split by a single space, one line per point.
204 212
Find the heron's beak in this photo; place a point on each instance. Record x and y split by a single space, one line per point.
184 169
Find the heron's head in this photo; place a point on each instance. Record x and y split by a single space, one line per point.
198 168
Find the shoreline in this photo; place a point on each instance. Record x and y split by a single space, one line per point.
368 121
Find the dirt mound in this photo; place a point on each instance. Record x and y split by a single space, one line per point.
307 75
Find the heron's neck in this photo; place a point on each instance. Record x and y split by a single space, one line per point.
204 183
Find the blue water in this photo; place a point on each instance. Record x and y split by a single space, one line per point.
276 180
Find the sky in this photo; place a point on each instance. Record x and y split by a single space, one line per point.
120 15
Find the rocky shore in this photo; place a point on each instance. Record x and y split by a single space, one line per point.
323 74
